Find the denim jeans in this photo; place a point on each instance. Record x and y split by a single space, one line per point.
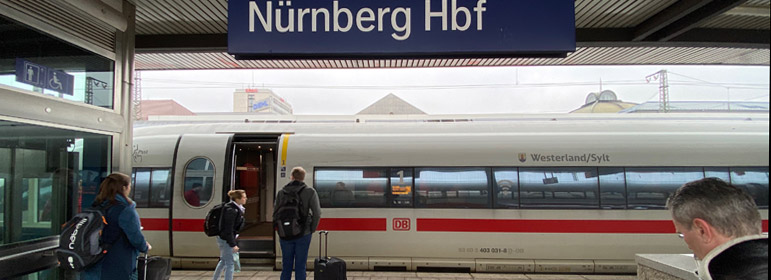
226 260
295 252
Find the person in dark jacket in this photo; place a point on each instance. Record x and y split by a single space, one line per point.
722 226
232 222
295 252
122 231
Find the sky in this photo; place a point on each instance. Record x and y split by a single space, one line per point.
458 90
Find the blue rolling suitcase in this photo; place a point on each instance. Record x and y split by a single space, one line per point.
326 268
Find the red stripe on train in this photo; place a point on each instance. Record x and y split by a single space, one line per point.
339 224
353 224
461 225
549 226
545 226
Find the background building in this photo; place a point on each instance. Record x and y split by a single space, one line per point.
391 105
166 107
260 101
605 101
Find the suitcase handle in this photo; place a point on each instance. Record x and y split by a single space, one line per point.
326 245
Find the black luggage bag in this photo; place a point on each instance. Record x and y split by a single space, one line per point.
326 268
153 268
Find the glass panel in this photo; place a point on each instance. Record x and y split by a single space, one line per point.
41 171
649 187
141 188
506 188
160 188
347 187
754 180
2 208
401 187
93 74
452 187
199 182
559 187
717 172
612 188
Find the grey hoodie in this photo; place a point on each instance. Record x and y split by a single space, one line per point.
310 201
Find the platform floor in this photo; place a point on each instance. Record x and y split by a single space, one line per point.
369 275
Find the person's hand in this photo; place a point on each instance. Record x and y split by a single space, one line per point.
235 249
149 247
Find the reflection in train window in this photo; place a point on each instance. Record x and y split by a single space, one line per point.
351 187
754 180
150 187
506 188
401 187
140 191
465 187
160 190
649 187
612 188
717 172
199 182
574 187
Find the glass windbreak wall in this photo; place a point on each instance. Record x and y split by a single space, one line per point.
93 75
46 175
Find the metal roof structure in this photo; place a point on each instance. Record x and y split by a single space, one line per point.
192 34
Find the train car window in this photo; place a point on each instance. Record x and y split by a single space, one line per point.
160 188
140 187
575 187
452 187
649 187
717 172
351 187
401 187
199 182
612 188
506 188
754 180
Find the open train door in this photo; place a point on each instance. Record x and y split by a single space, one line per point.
254 165
201 166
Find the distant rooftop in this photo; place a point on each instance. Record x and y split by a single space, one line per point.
702 107
391 105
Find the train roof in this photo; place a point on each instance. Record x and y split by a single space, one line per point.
454 124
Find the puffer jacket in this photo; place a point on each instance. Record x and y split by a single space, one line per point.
744 258
233 221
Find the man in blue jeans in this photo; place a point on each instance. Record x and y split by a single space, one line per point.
295 252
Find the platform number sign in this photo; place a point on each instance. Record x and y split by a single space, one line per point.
401 224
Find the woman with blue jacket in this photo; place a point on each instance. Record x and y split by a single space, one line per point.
122 232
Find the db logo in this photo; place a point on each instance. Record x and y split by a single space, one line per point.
401 224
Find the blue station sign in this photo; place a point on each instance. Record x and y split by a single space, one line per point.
44 77
400 28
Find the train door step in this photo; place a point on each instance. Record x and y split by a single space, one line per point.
256 248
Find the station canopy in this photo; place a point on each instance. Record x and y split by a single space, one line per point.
192 34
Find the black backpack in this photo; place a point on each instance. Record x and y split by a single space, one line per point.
288 218
80 243
213 223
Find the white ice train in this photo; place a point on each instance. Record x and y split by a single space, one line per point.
568 193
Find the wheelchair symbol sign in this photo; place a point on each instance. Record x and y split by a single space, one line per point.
44 77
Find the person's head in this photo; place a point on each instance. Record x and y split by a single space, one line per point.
298 174
239 196
197 187
340 186
710 212
115 184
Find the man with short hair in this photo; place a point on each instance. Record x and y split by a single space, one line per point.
295 251
722 226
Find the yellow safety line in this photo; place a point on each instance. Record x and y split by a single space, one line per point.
283 151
